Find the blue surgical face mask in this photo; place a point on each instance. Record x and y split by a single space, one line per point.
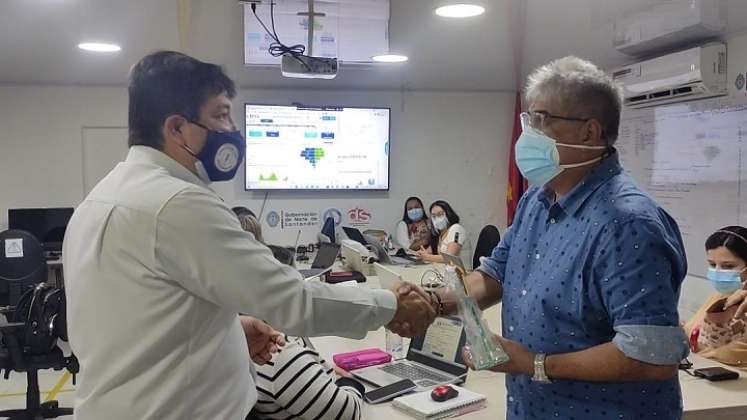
221 156
537 156
415 214
725 281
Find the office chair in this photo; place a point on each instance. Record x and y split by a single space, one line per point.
36 312
22 265
488 239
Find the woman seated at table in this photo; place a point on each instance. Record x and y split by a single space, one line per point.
298 382
718 330
414 230
448 235
249 222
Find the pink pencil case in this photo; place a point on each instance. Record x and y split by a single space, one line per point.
361 358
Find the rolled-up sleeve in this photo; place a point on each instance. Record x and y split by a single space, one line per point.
638 273
201 245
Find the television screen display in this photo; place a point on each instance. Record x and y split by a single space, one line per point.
316 148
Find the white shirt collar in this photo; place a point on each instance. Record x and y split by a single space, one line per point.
145 154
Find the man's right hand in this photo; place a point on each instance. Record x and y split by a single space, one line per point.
415 311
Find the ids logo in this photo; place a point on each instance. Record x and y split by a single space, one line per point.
359 216
273 219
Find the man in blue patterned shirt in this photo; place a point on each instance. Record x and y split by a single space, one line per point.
590 271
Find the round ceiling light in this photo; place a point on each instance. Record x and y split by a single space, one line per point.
389 58
99 47
460 10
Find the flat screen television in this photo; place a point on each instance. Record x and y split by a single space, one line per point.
316 148
46 224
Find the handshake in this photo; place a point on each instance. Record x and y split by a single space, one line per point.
415 310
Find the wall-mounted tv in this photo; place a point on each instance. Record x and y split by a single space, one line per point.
316 148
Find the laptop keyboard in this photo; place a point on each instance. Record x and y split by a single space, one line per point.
413 372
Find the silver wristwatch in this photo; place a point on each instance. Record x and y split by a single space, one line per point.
540 375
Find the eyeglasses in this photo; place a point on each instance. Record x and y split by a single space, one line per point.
540 119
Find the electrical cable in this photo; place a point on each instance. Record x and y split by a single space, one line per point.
264 201
277 48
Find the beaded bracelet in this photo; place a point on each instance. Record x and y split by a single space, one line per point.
440 303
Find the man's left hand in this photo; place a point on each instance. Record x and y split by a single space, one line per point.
261 339
521 360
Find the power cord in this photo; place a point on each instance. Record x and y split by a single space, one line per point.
277 48
685 366
262 210
434 282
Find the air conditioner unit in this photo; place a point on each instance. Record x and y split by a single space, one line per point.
691 74
668 25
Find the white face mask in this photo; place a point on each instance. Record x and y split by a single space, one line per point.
440 222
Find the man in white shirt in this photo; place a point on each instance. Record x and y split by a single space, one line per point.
157 267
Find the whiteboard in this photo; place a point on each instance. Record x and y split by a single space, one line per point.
692 159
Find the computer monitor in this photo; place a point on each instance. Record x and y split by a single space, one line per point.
46 224
316 147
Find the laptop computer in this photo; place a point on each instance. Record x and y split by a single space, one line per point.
355 234
323 261
379 250
433 358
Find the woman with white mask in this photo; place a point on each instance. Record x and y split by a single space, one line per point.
719 329
448 235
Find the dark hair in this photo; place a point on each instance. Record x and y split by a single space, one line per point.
166 83
406 218
243 211
451 216
733 238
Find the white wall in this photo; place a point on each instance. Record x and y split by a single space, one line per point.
40 141
696 290
444 145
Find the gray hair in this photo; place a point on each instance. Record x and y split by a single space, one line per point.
580 88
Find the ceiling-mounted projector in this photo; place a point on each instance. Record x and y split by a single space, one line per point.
306 67
294 63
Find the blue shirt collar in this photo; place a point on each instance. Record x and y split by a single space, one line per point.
572 202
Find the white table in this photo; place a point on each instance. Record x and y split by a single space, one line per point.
702 399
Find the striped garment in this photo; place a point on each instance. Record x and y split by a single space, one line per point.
299 384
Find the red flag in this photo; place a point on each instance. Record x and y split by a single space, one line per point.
516 183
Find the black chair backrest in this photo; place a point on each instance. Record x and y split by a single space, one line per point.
22 265
488 239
